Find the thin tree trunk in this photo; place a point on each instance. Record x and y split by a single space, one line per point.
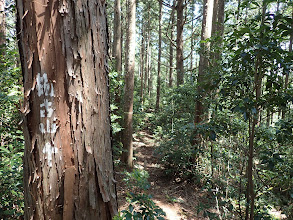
150 86
253 122
147 50
171 45
159 57
179 43
192 42
2 27
147 61
117 46
142 51
127 156
287 75
218 29
203 62
68 167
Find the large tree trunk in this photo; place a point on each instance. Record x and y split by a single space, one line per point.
179 43
127 156
159 57
68 168
203 62
117 47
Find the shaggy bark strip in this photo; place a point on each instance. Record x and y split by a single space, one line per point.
68 169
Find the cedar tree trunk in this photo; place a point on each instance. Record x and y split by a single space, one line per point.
179 43
68 168
127 156
117 47
203 62
159 57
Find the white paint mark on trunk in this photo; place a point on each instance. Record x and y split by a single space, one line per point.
43 85
49 150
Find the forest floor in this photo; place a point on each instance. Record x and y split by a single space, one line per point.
179 200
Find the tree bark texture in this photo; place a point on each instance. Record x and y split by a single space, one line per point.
159 57
117 46
147 58
218 28
150 76
179 43
203 62
192 40
142 51
172 19
127 156
68 168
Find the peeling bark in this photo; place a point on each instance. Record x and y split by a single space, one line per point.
68 169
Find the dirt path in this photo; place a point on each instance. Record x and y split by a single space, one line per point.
178 200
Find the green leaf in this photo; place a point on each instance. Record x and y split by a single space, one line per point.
4 149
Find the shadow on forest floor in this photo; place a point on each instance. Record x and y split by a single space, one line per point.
178 200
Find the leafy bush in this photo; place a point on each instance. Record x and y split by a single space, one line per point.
11 145
141 204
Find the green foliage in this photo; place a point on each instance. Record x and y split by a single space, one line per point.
116 111
11 138
137 179
141 206
219 159
178 154
11 186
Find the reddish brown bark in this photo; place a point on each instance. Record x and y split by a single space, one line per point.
68 169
